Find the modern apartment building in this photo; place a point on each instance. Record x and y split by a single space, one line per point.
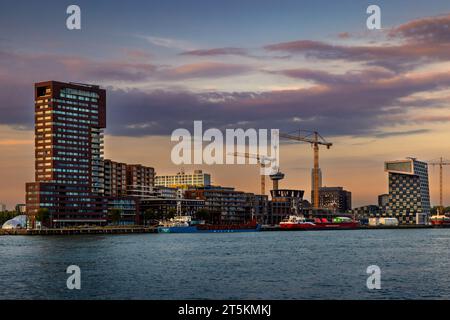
409 194
115 178
335 199
183 180
123 179
227 204
69 123
140 181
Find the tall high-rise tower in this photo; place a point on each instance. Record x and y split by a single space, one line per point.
409 194
69 123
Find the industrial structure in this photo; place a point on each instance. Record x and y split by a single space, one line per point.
315 139
261 160
441 163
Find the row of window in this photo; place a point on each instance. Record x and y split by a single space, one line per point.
75 97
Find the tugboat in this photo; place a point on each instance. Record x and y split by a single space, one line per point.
440 220
301 223
185 224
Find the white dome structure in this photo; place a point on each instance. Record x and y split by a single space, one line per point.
16 222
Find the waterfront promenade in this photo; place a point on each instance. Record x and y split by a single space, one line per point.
80 231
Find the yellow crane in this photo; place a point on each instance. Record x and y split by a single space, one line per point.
315 139
441 163
262 160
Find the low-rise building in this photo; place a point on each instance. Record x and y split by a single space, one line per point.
229 205
335 198
184 180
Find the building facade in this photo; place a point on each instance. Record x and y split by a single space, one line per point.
383 200
284 203
227 204
409 194
140 181
365 212
335 199
183 180
69 123
115 178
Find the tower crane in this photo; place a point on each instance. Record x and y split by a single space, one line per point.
441 163
315 139
262 160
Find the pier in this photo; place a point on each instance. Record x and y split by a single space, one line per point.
401 227
79 231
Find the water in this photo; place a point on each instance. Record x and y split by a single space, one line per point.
266 265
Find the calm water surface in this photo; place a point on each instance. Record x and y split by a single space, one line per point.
266 265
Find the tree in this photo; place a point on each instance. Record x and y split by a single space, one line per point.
43 216
6 215
115 215
151 215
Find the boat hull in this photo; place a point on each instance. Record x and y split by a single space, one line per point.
210 229
319 226
440 224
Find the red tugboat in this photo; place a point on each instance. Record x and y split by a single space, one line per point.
440 220
301 223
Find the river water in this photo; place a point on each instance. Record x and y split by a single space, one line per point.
414 264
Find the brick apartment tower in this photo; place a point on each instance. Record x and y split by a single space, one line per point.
69 123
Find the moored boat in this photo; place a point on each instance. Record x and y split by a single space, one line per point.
184 224
301 223
440 221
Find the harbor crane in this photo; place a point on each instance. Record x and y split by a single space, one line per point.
315 139
441 163
262 160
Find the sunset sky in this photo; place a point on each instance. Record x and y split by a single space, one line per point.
376 94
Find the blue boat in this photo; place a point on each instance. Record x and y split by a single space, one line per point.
184 224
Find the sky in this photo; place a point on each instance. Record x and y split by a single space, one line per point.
313 65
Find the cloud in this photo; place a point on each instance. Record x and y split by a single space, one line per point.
356 102
349 77
344 35
424 30
217 52
389 134
168 42
204 70
399 57
352 108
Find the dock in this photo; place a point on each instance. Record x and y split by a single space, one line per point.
380 227
79 231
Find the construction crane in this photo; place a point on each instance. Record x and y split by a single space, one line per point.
315 139
441 163
262 160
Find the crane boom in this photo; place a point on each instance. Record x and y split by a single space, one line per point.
441 163
261 159
315 139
